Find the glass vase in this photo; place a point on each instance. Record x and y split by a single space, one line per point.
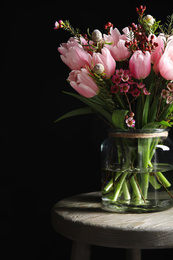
137 171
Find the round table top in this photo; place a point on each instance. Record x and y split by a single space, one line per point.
81 218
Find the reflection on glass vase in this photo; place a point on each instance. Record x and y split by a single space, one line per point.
137 171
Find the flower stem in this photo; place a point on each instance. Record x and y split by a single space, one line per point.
144 153
128 103
145 184
162 179
120 101
111 182
126 191
163 184
118 186
136 190
154 181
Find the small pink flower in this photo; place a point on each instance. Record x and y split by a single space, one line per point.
169 100
116 79
114 89
124 87
130 122
120 72
56 26
164 93
140 64
131 82
125 77
140 85
135 92
83 83
170 86
145 91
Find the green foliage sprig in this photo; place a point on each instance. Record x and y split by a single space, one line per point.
167 28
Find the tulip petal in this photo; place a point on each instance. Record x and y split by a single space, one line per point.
140 64
83 83
83 90
105 58
166 64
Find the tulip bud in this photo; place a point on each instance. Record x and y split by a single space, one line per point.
140 64
96 36
149 19
99 68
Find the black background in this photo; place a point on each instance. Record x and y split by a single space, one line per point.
43 162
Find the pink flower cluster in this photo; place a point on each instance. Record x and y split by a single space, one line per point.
119 63
78 60
77 57
123 83
133 46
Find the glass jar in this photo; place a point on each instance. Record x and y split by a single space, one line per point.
137 171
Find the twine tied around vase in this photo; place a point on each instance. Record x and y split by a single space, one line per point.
139 135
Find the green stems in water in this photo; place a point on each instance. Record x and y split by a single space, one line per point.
129 180
126 192
118 186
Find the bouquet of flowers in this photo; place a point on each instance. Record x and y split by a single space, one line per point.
126 79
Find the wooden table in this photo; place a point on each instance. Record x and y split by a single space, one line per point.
82 219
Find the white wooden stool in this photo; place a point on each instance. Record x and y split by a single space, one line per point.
82 219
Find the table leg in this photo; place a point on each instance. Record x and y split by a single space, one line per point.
80 251
133 254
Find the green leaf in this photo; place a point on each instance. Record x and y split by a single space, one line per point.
146 107
167 112
139 108
154 109
95 103
118 118
88 31
154 182
77 112
156 125
108 43
145 111
165 123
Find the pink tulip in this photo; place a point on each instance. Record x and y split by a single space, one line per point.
117 48
106 59
166 63
170 41
83 83
157 53
113 36
140 64
73 54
